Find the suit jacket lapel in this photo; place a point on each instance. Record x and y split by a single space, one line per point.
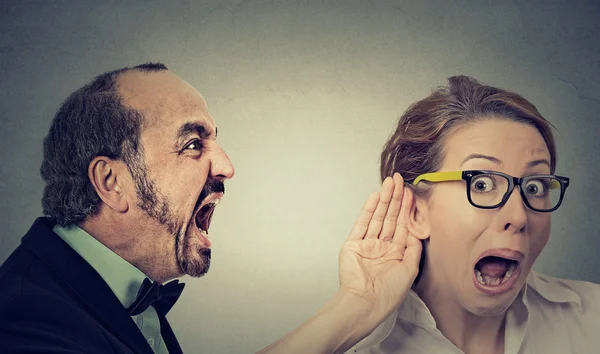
168 336
85 283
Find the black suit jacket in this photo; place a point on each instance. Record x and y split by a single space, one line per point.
53 301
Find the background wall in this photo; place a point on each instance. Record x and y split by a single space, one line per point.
305 93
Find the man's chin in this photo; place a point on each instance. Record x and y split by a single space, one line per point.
195 265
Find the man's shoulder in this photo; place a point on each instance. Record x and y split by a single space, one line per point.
23 271
37 303
40 309
41 318
51 298
14 273
30 285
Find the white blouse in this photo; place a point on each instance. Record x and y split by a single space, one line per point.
549 315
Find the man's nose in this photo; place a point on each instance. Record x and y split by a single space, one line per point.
221 167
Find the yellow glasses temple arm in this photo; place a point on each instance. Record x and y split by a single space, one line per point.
439 177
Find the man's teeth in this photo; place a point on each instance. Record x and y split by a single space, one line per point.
493 281
215 201
204 233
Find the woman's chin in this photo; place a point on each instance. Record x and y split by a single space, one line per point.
488 306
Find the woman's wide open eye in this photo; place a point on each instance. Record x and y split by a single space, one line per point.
537 187
483 184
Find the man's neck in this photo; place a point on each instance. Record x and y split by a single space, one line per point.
141 253
468 332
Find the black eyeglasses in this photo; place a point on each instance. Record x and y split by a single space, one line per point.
491 189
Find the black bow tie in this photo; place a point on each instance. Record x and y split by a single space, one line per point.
162 297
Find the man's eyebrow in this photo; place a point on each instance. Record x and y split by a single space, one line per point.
480 156
192 128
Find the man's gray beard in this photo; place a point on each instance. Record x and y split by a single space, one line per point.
193 261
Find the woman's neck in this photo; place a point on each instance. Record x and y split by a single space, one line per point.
469 332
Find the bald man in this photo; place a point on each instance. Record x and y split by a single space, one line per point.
133 173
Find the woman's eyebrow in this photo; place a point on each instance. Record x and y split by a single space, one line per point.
480 156
538 162
499 162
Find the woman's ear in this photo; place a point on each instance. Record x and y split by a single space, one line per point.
106 176
418 221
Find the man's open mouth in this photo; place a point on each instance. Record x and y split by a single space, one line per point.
204 216
495 270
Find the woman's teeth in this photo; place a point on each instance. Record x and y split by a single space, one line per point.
493 281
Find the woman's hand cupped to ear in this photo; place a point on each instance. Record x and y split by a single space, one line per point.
378 264
379 261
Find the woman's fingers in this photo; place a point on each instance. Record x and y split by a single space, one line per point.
412 254
362 223
387 189
384 215
401 232
391 217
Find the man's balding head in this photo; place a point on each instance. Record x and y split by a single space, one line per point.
157 94
92 121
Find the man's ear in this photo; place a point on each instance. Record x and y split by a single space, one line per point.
108 177
418 221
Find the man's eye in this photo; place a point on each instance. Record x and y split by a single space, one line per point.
194 145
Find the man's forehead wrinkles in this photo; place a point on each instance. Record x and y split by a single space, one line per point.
194 127
185 106
168 109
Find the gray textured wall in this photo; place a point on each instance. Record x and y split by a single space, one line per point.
305 94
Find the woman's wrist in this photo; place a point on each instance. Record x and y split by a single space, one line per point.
354 318
341 323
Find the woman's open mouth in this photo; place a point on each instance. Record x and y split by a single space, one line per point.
497 271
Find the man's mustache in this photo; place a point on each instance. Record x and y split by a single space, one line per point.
211 186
